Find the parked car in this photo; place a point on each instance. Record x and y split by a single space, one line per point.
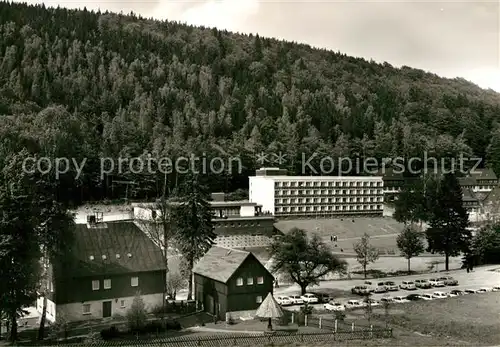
470 291
400 299
483 290
391 286
449 281
372 302
423 284
283 300
453 295
439 295
309 298
360 290
323 297
370 286
496 289
456 292
296 299
414 297
387 299
380 288
408 285
354 304
435 282
426 297
334 306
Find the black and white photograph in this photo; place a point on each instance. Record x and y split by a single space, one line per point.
250 173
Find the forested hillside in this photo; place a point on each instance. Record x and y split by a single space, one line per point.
84 84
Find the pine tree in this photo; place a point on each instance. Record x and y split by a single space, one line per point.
193 222
448 234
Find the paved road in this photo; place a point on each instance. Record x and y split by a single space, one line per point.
479 278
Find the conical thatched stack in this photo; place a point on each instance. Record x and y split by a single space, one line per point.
269 309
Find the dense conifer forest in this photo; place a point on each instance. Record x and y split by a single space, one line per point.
81 84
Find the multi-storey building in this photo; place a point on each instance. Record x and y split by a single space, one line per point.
311 196
479 189
237 224
229 217
108 265
479 181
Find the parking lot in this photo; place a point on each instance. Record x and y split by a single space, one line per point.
480 278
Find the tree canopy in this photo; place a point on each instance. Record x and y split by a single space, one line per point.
109 85
448 233
194 234
410 242
305 260
365 252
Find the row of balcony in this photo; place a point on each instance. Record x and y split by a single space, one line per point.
330 192
316 201
294 184
338 208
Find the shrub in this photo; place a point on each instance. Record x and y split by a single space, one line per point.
110 333
153 327
173 325
339 315
137 315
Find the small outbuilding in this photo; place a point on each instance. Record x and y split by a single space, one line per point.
231 283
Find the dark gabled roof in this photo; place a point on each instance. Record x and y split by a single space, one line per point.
116 242
481 195
493 196
467 181
483 174
220 263
468 195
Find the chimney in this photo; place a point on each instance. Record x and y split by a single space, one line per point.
96 220
91 219
218 196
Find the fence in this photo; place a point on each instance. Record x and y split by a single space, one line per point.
339 325
325 323
90 327
275 338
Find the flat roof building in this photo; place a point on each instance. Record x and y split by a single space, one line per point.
315 196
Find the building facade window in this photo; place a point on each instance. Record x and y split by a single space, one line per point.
239 281
258 299
95 285
260 280
134 282
86 309
249 281
107 284
122 303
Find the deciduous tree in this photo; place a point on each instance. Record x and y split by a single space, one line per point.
175 282
365 252
486 245
155 221
305 260
410 242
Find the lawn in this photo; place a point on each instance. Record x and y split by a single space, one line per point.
473 319
401 337
343 228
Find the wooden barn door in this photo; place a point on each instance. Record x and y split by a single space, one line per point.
209 304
